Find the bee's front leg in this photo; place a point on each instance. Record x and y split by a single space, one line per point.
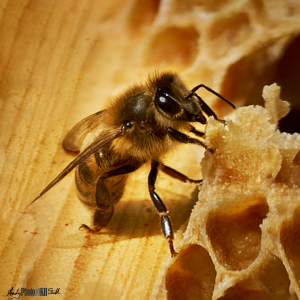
166 225
185 139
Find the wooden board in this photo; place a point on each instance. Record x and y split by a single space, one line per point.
59 62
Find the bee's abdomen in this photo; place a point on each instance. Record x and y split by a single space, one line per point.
86 175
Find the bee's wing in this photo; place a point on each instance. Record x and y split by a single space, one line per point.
77 134
92 148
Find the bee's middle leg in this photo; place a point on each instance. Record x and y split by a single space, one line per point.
177 175
166 224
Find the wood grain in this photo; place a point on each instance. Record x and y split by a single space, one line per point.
59 62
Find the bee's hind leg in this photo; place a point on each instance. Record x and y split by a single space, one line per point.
101 219
104 209
109 190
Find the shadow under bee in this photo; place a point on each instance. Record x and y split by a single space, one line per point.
134 217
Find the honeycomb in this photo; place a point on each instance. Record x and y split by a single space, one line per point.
243 237
61 61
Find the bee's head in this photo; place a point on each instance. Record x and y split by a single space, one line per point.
172 101
188 110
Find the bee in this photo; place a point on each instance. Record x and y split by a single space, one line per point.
141 125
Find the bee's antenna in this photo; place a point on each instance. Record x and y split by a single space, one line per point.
192 92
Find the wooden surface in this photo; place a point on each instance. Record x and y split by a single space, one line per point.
59 62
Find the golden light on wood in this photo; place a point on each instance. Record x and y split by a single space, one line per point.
63 60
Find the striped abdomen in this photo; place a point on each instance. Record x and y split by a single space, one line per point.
88 177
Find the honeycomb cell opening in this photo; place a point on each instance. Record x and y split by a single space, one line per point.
235 234
286 75
191 276
173 46
231 31
246 78
142 14
290 239
269 281
296 159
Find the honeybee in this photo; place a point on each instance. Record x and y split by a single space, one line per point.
141 125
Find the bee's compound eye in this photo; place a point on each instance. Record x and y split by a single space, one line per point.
165 103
